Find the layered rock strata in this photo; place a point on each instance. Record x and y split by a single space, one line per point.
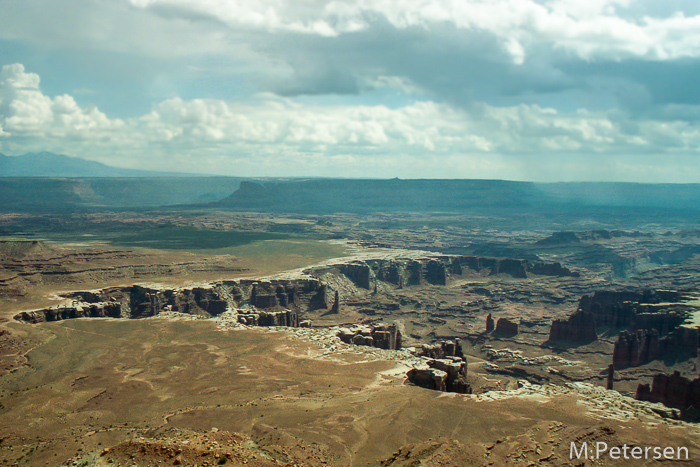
441 374
506 328
271 318
436 270
651 324
260 303
635 348
384 336
621 309
578 329
440 350
92 310
673 391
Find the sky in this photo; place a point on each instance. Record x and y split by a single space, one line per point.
540 90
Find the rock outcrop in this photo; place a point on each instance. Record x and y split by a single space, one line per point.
560 238
635 348
611 378
279 294
92 310
428 378
414 273
286 318
578 329
506 328
335 309
197 301
490 326
359 272
673 391
620 309
446 369
384 336
513 267
651 324
443 349
442 374
266 303
436 270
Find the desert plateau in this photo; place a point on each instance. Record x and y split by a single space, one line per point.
399 334
338 233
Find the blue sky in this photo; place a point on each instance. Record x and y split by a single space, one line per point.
544 90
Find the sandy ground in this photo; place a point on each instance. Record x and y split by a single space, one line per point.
95 383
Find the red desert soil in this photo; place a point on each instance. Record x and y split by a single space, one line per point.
31 272
152 390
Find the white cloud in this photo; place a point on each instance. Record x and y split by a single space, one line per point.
549 52
284 136
26 111
592 29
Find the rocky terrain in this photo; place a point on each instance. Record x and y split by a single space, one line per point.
673 391
343 339
404 302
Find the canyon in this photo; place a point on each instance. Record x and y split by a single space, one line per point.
276 334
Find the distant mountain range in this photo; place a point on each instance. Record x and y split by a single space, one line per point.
463 196
48 164
47 181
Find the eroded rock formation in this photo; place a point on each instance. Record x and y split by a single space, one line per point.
270 318
443 349
490 326
610 382
358 272
673 391
279 294
437 270
384 336
266 303
441 375
94 310
651 324
506 328
635 348
620 309
335 309
447 374
578 329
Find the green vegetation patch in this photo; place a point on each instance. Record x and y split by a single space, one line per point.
187 238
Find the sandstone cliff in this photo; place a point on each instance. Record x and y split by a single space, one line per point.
672 391
445 370
578 329
506 328
383 336
266 303
635 348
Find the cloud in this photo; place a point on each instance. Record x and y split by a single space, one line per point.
273 136
564 54
556 53
26 111
596 29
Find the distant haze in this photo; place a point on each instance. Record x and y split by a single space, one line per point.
532 90
46 164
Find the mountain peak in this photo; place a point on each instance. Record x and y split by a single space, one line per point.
49 164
